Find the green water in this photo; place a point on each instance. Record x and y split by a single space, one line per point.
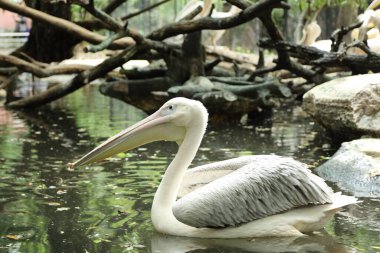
106 207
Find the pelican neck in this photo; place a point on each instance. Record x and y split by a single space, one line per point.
162 215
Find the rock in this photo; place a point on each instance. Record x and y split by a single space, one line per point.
348 107
355 167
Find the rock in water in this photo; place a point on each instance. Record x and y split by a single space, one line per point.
348 107
355 167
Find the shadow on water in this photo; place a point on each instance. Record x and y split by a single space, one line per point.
106 207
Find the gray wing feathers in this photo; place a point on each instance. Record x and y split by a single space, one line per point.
265 186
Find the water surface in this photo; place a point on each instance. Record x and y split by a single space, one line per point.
106 207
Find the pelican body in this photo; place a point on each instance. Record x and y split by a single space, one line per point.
245 197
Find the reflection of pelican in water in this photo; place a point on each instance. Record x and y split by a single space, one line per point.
320 243
249 196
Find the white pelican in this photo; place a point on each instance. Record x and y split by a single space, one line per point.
370 19
372 37
251 196
191 6
212 36
374 5
310 34
369 30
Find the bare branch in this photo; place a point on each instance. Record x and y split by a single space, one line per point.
192 14
242 4
60 90
337 36
364 47
284 61
39 71
230 56
324 59
110 21
7 71
113 5
105 43
30 59
63 24
246 15
126 17
261 71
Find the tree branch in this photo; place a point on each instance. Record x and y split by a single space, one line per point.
262 71
63 24
192 14
242 4
337 36
61 90
209 23
23 55
324 59
284 60
128 16
39 71
107 19
113 5
105 43
230 56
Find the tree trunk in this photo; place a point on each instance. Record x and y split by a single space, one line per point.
190 62
47 43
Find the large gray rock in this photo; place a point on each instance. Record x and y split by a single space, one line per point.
355 167
348 106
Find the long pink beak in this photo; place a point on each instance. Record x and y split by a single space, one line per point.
153 128
373 5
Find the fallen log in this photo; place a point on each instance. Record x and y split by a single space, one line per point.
316 57
271 88
139 93
262 91
144 73
227 103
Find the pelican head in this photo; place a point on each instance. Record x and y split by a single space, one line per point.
169 123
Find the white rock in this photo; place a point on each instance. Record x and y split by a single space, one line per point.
348 106
355 167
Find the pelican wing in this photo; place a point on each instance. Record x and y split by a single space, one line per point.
267 185
203 175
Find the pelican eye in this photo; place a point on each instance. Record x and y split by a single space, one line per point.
168 109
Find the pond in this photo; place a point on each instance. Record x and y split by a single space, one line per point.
106 207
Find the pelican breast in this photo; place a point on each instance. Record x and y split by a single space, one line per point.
265 185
